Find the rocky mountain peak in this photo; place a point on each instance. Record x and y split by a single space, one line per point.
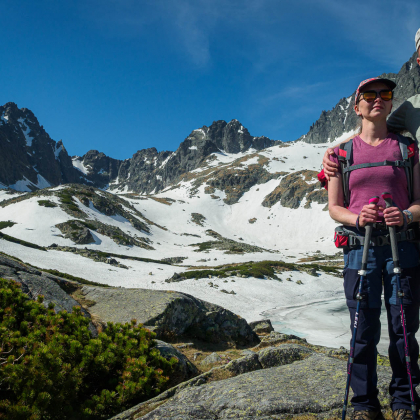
342 119
229 137
29 158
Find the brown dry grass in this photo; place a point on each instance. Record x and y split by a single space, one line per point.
162 200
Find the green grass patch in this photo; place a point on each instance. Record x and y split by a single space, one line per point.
7 224
204 246
201 274
47 203
21 242
259 270
66 197
74 226
90 226
326 268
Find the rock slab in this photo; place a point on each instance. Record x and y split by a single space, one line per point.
313 385
170 314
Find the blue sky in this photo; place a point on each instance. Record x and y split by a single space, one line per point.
123 75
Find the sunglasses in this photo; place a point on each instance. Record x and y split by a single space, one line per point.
371 95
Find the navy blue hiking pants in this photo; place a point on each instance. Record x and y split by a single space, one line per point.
380 273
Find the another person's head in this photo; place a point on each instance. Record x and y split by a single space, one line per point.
374 98
417 41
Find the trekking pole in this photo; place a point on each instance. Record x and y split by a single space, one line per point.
397 270
362 272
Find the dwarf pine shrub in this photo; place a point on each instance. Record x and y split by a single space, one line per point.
51 367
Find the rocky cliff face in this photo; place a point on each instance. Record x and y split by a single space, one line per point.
342 118
29 158
151 171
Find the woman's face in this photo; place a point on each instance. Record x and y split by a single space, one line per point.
377 109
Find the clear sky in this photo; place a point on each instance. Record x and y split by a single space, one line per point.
123 75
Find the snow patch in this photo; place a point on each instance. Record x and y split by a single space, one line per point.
4 119
24 184
200 130
57 151
25 131
167 160
78 164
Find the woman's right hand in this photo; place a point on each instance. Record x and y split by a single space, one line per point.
369 214
330 168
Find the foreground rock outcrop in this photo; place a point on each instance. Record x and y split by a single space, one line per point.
314 385
169 314
280 382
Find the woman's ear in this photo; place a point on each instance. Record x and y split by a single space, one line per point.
356 108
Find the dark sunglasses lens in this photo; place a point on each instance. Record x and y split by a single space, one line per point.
386 95
369 96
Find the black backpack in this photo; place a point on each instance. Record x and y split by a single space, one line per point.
345 158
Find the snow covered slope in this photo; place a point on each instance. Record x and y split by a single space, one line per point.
206 220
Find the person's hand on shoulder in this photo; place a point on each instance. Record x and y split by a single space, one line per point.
330 168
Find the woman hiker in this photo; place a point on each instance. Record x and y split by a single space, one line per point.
373 104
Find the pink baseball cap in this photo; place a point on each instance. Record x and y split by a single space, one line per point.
366 82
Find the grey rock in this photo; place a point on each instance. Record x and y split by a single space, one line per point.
262 326
184 369
211 359
276 338
169 314
247 352
175 278
313 385
76 231
245 364
282 355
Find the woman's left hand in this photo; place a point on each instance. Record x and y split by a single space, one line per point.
393 216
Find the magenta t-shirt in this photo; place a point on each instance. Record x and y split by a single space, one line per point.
367 182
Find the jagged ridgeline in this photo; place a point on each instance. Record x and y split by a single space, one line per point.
30 159
342 119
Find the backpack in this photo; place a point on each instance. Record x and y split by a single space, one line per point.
345 158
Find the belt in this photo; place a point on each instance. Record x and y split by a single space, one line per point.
356 240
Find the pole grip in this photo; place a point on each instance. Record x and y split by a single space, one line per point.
387 197
368 235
